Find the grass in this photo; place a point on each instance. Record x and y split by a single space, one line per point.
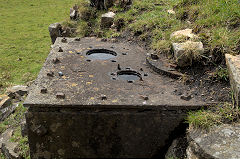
216 22
24 37
222 114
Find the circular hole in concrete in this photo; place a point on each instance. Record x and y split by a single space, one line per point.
129 75
101 54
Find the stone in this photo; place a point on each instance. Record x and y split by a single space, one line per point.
8 147
16 91
171 11
233 65
221 142
55 30
177 148
8 150
5 101
74 13
184 53
186 34
5 112
5 136
107 20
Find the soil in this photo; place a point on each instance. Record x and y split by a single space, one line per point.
199 78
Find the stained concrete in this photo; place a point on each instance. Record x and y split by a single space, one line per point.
79 108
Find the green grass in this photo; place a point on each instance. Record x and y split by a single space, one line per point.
24 34
216 22
221 114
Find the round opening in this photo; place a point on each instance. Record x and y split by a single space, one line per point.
129 75
101 54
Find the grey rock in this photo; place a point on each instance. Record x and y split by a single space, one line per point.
184 53
233 65
74 13
5 101
5 136
107 20
8 150
5 112
16 91
55 31
221 142
183 34
177 148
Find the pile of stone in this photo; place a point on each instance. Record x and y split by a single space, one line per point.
8 103
186 47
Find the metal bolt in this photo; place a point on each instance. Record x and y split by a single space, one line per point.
104 97
56 60
118 67
64 40
77 39
144 97
44 90
60 73
154 56
60 95
60 49
50 74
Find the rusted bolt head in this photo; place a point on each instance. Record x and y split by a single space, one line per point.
56 60
64 40
154 56
77 39
103 97
60 95
60 49
144 97
50 74
44 90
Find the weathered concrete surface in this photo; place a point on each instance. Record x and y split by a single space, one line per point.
107 20
184 53
78 107
233 64
221 142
